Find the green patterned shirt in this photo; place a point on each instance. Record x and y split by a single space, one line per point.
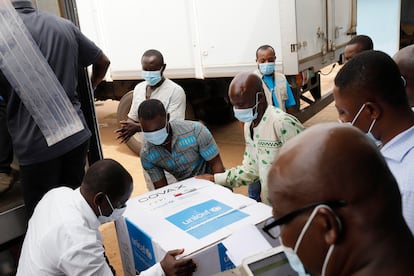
275 128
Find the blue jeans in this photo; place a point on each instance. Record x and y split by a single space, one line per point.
254 190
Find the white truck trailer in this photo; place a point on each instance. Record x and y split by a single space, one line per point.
207 42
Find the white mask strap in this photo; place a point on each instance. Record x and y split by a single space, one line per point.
357 115
327 258
372 125
306 226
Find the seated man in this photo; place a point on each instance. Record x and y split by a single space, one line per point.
266 129
155 86
63 236
338 206
369 93
182 148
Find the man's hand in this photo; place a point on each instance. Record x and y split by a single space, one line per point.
209 177
172 266
127 130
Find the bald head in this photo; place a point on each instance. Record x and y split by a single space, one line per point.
322 164
244 87
333 193
405 61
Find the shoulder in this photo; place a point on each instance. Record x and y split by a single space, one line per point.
172 85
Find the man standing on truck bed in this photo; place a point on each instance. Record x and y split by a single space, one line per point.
155 86
45 165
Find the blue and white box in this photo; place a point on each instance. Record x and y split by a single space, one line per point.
193 214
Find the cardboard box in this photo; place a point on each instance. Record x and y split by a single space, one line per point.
193 214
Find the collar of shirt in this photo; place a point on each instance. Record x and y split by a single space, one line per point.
399 146
86 210
23 4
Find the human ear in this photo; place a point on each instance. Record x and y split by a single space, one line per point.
99 198
332 225
163 68
374 109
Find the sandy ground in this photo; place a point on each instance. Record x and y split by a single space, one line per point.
229 139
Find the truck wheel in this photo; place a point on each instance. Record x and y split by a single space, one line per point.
124 106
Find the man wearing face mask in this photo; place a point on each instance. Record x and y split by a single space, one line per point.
330 219
276 87
266 129
182 148
369 92
63 236
155 86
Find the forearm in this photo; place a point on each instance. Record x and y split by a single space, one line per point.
99 69
236 176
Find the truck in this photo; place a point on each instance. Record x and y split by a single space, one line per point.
205 43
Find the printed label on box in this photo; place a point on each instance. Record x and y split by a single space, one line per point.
205 218
142 249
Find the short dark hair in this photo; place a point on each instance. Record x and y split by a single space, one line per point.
151 108
108 176
363 40
152 53
264 47
375 75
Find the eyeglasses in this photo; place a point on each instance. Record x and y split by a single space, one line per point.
274 232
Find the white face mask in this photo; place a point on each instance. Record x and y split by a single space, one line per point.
368 133
116 213
157 137
248 114
291 254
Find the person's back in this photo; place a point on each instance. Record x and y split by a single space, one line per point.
66 50
57 40
338 205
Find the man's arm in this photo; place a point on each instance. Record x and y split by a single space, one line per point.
99 68
216 164
160 183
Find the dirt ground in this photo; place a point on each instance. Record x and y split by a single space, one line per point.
228 137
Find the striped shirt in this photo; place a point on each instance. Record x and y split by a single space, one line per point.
192 146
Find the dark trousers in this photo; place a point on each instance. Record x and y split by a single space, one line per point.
254 190
6 147
66 170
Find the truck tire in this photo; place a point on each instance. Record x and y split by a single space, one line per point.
134 143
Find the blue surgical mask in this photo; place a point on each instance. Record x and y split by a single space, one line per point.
291 254
116 213
157 137
369 134
152 77
267 68
248 114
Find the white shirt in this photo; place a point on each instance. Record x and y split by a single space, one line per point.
169 93
63 239
399 155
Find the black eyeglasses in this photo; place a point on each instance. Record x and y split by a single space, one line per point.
271 223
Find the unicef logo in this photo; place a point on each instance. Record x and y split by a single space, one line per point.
215 209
